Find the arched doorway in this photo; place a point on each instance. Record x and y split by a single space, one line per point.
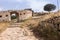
14 16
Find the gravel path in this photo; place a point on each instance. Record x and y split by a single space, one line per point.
17 33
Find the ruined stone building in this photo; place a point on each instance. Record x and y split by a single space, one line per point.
20 14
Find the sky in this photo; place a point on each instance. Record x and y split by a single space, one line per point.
36 5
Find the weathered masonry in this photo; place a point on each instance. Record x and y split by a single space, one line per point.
20 15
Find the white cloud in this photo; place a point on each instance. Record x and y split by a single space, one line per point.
1 9
36 5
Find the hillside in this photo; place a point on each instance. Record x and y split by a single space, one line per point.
35 28
48 29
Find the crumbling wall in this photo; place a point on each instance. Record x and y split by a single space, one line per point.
4 16
23 14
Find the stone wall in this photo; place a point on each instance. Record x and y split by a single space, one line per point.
22 15
4 16
25 14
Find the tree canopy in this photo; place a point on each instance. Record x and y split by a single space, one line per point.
49 7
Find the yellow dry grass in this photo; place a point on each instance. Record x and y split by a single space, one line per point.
33 22
36 21
3 26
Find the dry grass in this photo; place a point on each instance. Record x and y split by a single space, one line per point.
34 21
3 26
48 28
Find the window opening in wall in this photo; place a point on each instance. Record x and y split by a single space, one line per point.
24 13
6 15
20 14
0 15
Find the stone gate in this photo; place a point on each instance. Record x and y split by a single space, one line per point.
20 14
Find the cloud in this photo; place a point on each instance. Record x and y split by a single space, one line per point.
1 8
36 5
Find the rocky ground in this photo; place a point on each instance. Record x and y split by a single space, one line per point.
16 33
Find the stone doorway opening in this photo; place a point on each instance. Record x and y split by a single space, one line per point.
14 16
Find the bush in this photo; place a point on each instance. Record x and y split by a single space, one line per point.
47 31
13 17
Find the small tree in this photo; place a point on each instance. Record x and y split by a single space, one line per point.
49 7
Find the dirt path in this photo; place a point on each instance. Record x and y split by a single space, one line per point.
17 33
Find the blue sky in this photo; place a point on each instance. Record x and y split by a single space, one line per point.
36 5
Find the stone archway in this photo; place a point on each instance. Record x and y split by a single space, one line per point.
14 16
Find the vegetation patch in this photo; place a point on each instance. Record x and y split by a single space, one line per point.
48 29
